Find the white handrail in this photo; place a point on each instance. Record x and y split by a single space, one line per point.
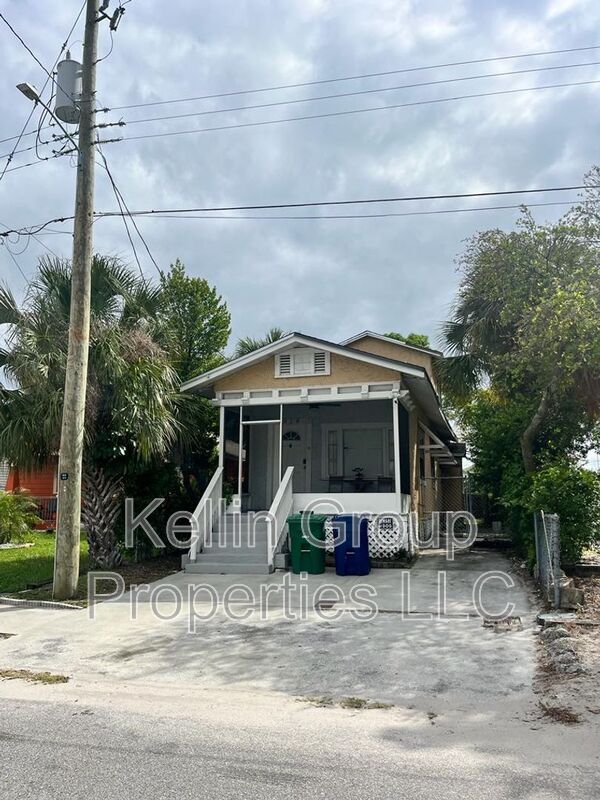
207 512
281 508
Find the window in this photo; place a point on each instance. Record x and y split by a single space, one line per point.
301 361
368 445
332 452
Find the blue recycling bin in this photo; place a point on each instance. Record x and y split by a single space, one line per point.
351 534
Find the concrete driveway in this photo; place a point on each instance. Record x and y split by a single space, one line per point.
229 711
429 652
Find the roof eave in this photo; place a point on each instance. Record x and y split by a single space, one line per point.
272 348
382 337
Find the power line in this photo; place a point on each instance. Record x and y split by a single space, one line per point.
12 154
40 160
325 80
49 78
310 204
367 216
44 245
350 112
13 258
28 133
377 90
17 265
366 201
122 204
26 46
358 77
122 214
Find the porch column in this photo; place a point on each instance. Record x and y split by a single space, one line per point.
280 442
397 475
240 461
221 435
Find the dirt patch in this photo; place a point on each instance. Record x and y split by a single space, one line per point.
32 677
133 575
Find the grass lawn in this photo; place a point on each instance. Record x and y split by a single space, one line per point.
25 566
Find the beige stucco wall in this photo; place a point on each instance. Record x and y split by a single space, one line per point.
343 370
395 350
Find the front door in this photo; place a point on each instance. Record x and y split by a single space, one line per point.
295 452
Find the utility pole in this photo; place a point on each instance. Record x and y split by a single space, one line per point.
68 531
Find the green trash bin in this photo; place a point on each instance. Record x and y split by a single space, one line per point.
307 556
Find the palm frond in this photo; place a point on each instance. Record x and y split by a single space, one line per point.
9 310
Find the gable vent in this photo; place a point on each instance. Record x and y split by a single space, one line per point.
284 364
320 362
302 361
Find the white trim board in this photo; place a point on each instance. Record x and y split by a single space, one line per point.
339 393
352 502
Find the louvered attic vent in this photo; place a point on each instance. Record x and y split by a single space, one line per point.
302 361
285 364
320 362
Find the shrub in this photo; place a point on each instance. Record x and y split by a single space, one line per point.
574 494
17 516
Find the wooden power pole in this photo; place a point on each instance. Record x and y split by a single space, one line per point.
66 561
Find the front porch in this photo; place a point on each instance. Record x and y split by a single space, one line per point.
346 456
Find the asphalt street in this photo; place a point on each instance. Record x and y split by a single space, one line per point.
205 746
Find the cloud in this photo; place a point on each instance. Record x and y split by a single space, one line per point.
327 277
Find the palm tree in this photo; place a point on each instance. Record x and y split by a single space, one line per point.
249 344
133 405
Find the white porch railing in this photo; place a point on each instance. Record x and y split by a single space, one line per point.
281 508
207 513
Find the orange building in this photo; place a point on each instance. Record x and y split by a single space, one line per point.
41 484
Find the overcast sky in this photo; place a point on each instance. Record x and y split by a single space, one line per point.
327 278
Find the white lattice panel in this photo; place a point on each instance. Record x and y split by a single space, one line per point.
384 542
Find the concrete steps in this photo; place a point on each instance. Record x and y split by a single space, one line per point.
235 548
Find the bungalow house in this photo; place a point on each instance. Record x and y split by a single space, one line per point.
307 423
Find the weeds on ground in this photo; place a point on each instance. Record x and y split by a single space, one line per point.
356 703
32 677
560 714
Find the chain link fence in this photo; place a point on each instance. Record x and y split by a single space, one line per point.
547 555
439 498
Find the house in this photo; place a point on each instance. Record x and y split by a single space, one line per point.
40 483
307 423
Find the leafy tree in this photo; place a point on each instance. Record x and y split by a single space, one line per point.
193 327
574 494
248 344
194 322
134 412
527 321
416 339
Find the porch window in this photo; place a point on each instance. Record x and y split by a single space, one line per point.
363 448
332 452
